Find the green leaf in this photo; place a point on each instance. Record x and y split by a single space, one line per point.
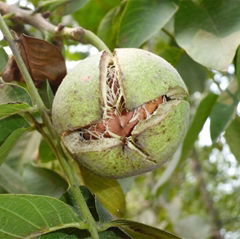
88 197
71 6
108 192
34 180
209 31
11 93
202 113
3 59
6 147
113 233
62 7
142 19
109 26
72 233
232 136
142 231
46 94
7 110
45 152
171 54
224 109
91 14
11 180
8 125
25 151
69 233
28 216
103 214
237 66
43 181
193 74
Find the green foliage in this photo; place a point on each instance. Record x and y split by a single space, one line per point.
224 109
141 231
198 37
211 37
35 214
7 145
232 136
142 19
200 117
7 110
108 192
62 7
92 13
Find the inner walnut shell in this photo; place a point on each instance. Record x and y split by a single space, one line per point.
123 114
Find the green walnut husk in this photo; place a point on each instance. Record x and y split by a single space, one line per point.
123 85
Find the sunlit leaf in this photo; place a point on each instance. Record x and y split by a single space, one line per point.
23 216
108 192
200 117
232 136
142 19
142 231
7 145
43 60
209 31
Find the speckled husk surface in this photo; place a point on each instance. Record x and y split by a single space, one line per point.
142 76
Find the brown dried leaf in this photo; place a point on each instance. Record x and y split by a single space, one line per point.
11 71
43 60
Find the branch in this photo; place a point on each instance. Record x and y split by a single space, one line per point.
38 21
206 198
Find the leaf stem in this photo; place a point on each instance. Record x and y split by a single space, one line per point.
95 41
53 136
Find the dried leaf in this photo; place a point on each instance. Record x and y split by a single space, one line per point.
43 60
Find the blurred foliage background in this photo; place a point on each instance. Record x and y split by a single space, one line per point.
197 193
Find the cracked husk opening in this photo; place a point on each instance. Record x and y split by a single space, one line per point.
117 120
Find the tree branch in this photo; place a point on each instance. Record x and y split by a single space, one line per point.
206 198
37 20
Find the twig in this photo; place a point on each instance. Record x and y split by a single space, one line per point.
206 197
37 20
54 138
